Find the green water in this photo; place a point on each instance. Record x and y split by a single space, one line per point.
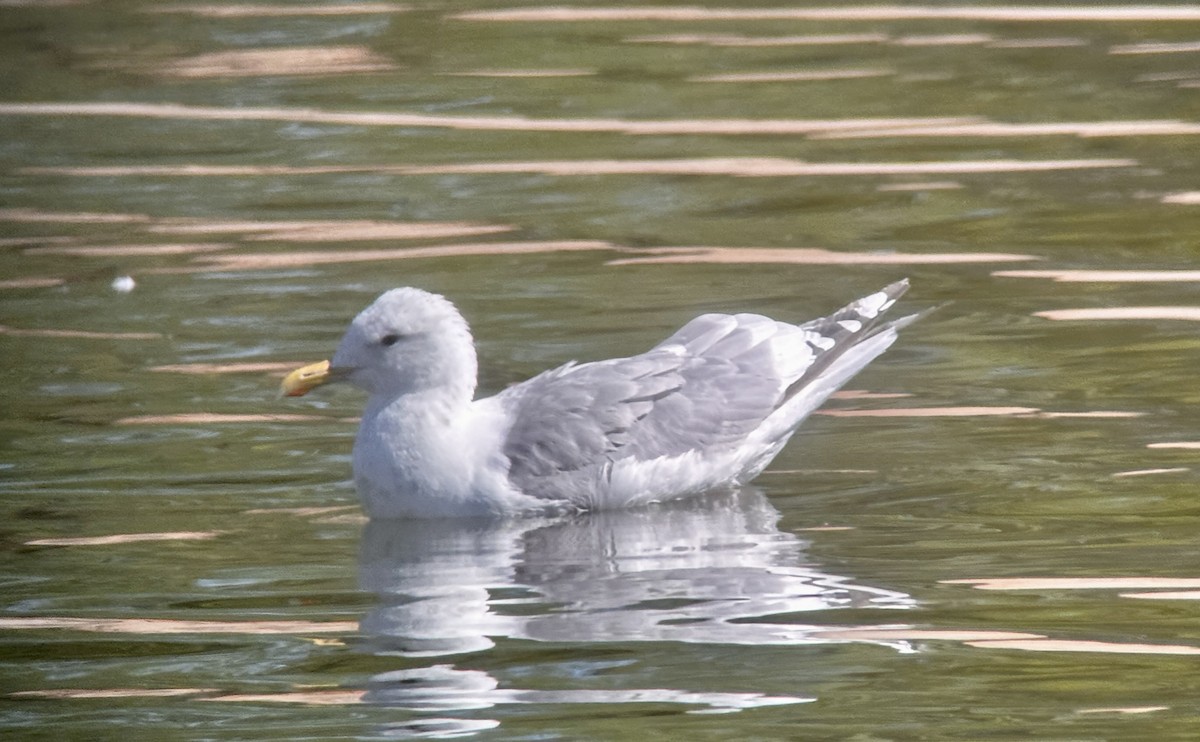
816 605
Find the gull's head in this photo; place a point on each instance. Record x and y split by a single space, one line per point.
407 341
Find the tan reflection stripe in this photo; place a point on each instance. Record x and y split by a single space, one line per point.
83 693
169 626
931 412
209 418
1175 444
319 698
937 185
67 217
1076 583
903 634
1150 472
1109 414
520 73
733 40
310 60
259 261
34 241
227 368
125 538
254 11
1191 314
1165 595
1016 13
798 76
85 334
483 123
1075 129
1048 43
296 227
734 166
765 167
1124 710
107 251
1066 645
1104 276
302 512
31 283
864 394
810 256
943 40
1192 46
351 232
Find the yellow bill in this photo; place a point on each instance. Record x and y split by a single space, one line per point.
306 378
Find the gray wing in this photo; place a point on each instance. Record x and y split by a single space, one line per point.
576 419
707 386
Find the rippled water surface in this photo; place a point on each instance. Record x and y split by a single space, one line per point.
991 535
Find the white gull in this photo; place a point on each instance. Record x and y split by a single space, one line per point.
707 408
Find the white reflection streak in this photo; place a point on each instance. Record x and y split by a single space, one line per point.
695 572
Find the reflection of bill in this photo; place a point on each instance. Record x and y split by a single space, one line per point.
698 571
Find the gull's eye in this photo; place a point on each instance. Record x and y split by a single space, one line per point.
390 339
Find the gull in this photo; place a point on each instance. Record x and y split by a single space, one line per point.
706 409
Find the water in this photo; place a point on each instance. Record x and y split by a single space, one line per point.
184 554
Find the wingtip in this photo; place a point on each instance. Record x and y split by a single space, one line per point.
897 289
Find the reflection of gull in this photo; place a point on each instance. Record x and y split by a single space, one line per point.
708 407
713 570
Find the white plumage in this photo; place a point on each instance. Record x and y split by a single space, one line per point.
708 407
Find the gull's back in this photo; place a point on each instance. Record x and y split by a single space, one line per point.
708 407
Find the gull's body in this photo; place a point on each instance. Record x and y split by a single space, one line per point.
708 407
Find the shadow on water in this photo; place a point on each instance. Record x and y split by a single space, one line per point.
701 572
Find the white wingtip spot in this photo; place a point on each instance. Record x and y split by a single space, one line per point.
822 342
850 325
871 306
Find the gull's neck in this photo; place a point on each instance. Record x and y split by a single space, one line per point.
413 455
